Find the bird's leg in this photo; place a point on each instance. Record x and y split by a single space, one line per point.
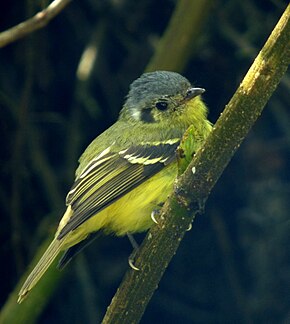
135 246
133 242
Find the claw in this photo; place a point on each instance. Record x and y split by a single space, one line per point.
131 264
153 213
189 227
135 250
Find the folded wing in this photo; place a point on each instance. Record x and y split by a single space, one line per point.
111 175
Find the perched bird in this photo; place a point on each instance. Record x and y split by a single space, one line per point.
128 171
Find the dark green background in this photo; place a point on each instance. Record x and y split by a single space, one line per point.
234 265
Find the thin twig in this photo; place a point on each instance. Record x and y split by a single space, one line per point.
38 21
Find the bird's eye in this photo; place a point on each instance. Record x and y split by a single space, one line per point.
161 105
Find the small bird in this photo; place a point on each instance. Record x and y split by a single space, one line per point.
128 171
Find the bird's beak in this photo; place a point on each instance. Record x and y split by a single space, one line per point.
193 92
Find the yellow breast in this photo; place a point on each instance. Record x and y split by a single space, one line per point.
132 212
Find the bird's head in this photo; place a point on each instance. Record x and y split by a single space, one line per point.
160 96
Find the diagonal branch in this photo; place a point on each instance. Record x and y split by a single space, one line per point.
194 186
38 21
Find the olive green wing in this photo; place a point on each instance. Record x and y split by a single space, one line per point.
111 175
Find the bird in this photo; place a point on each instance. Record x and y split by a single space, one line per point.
128 171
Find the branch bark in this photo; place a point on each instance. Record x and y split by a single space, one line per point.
40 20
193 188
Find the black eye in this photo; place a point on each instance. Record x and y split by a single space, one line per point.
161 105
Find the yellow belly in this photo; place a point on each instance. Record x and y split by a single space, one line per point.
132 212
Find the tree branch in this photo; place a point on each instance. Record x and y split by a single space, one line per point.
40 20
193 188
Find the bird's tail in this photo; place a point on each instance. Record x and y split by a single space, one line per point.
42 265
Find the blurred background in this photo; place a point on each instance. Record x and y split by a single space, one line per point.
63 85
